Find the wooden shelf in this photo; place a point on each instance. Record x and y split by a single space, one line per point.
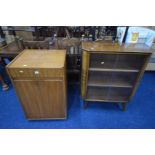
97 100
108 94
113 70
111 79
108 85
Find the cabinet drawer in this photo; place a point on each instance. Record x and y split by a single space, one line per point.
35 73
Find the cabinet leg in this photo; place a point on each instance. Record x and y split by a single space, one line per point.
85 104
124 106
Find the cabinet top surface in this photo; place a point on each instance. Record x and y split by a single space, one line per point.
107 47
39 59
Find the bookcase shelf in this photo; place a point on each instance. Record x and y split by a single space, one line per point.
109 85
112 69
112 79
108 93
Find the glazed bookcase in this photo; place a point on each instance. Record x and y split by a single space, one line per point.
110 72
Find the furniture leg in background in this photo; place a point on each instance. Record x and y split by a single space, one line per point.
124 106
85 104
4 85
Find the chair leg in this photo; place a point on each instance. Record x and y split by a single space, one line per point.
4 85
124 106
3 62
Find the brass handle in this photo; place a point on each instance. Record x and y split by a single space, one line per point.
36 72
21 71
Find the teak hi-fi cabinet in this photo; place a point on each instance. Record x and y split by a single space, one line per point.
39 78
110 72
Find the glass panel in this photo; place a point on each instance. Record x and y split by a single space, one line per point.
97 93
116 61
108 94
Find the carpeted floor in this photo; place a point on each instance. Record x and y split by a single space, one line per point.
140 111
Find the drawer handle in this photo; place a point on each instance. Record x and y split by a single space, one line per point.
21 71
36 72
102 62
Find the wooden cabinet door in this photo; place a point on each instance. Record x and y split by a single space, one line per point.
42 99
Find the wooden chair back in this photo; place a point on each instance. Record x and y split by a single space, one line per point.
36 44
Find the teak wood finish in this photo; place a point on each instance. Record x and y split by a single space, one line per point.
112 72
39 78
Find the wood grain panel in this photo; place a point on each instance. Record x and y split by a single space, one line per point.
110 47
85 63
32 58
41 99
